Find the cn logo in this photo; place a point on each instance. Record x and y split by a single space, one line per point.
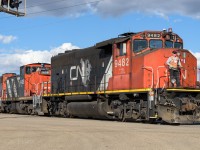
84 70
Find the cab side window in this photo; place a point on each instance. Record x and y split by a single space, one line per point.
33 69
28 70
122 50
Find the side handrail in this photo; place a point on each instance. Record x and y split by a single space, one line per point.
183 75
151 68
45 88
158 75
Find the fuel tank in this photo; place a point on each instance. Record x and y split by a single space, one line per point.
92 109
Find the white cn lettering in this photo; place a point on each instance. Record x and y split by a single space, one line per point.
78 70
84 72
76 76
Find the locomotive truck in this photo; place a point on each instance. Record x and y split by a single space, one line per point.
124 78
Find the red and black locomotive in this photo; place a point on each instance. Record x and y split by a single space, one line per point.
124 78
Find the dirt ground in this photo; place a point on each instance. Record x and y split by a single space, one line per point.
18 132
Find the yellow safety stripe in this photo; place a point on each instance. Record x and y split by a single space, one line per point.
184 90
100 92
125 91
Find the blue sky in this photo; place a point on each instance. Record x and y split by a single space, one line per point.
82 23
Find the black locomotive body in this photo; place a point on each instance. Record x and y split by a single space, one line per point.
76 77
80 70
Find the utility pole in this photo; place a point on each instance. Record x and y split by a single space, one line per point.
12 6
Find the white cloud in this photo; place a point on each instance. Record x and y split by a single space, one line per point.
12 62
7 39
118 7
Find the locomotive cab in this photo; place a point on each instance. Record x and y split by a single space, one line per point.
144 55
32 78
139 66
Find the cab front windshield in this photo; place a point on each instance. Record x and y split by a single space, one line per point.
156 44
42 70
168 44
141 44
178 45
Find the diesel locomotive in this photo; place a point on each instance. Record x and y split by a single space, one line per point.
123 78
21 93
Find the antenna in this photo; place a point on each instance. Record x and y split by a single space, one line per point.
12 7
